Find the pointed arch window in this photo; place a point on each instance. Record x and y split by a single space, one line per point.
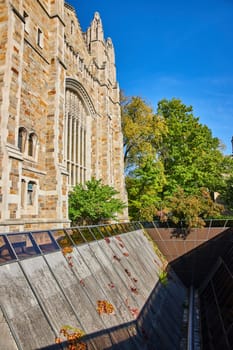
22 136
32 141
76 119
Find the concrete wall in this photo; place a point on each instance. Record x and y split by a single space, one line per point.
40 295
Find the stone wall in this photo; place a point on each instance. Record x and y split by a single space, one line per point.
43 50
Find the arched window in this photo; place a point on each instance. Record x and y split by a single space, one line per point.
32 141
79 111
76 119
22 136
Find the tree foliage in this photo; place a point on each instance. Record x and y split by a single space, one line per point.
142 131
145 184
227 194
191 156
173 163
93 203
192 209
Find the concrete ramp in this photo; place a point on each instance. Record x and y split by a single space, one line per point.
109 287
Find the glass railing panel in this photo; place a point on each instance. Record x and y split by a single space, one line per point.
109 229
147 224
45 241
106 231
217 223
114 229
75 236
139 226
6 252
121 228
125 227
132 226
61 238
86 233
23 245
97 232
164 224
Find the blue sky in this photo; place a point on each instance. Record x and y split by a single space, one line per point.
168 48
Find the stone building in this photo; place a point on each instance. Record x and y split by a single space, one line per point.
59 112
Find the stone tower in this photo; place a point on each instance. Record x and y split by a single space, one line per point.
59 112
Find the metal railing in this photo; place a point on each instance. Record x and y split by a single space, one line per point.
22 245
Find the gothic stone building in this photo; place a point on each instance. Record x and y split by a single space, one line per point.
59 112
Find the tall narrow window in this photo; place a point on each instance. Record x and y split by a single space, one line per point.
30 145
72 27
40 38
22 134
76 144
31 192
26 22
32 141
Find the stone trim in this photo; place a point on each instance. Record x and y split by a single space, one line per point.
76 86
13 152
69 6
37 51
17 13
55 16
33 170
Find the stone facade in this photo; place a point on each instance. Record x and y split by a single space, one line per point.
59 112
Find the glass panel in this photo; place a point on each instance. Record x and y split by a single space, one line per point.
88 236
23 245
165 224
147 224
128 227
218 223
97 232
75 236
121 228
138 226
62 238
115 229
45 241
105 231
6 253
109 231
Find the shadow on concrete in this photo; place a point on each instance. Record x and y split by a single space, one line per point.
158 325
195 266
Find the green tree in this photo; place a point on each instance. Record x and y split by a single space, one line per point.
192 209
169 157
93 203
227 194
191 156
142 131
145 184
